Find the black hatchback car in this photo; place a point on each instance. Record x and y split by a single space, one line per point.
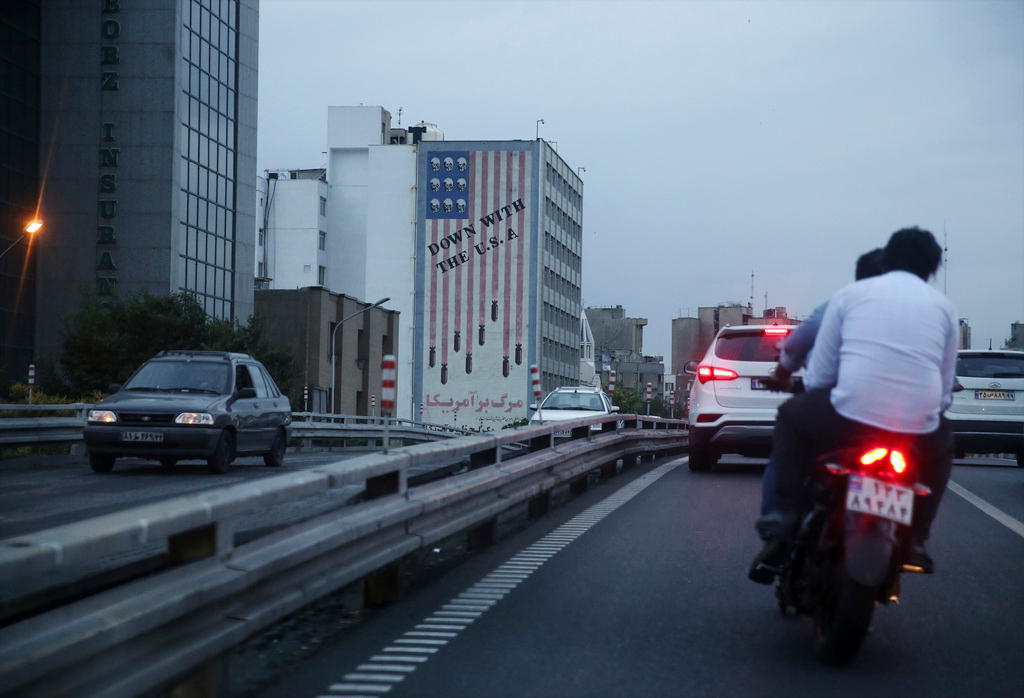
191 404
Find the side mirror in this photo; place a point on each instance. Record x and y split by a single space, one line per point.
533 406
690 367
113 388
614 408
244 393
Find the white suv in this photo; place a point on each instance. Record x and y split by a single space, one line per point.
731 409
987 414
573 402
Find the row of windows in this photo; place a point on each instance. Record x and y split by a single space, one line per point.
562 186
219 95
207 279
211 18
213 306
562 253
205 151
202 247
206 214
556 351
561 319
560 285
563 219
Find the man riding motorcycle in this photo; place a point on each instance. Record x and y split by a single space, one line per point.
794 351
883 365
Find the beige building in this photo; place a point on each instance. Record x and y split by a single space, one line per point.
303 320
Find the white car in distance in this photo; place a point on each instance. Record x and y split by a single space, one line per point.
572 402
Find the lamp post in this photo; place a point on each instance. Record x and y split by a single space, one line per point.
31 229
539 122
334 334
579 169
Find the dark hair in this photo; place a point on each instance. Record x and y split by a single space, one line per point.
871 264
913 250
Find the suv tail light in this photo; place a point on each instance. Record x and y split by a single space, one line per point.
713 373
776 331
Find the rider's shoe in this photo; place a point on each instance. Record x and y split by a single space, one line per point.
919 560
769 561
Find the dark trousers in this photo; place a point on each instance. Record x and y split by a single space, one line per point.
807 425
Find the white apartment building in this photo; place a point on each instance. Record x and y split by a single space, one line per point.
475 313
291 229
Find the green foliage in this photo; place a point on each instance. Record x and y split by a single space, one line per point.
104 342
632 402
521 422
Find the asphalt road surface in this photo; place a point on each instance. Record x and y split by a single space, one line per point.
638 588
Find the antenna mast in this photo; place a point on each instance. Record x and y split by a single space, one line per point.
945 259
751 291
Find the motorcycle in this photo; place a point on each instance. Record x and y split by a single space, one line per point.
853 542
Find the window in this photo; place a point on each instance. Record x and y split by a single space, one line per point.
323 207
323 238
322 275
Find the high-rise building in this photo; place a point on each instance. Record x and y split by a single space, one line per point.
19 182
147 148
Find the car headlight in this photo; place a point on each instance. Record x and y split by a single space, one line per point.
194 418
105 416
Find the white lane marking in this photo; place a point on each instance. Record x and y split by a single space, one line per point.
393 678
475 600
413 650
385 667
361 687
997 514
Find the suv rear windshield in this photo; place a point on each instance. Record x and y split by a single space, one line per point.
748 346
182 376
990 366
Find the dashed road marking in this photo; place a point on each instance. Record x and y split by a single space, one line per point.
416 646
997 514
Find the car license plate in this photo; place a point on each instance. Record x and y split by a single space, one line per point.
563 434
145 436
870 496
993 394
757 384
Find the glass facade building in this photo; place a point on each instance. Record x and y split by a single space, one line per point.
209 70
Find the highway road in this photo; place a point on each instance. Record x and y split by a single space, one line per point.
638 588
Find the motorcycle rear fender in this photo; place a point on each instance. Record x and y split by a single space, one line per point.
869 544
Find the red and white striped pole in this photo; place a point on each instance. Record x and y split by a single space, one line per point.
388 375
611 383
648 399
421 411
305 398
672 403
373 405
535 380
31 380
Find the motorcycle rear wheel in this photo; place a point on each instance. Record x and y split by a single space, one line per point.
842 621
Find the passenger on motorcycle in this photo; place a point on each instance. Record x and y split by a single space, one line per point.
883 364
794 351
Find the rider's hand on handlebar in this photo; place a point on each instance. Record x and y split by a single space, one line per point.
781 380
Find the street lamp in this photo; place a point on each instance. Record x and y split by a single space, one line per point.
31 229
334 334
539 122
579 169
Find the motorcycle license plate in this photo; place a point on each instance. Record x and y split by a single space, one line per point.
870 496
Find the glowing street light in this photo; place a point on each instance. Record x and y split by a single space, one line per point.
32 228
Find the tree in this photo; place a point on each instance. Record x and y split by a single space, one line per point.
104 342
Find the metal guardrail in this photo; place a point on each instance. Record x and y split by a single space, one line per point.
307 426
142 634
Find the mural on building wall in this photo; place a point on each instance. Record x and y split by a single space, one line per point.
476 263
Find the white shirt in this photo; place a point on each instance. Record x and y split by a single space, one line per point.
888 346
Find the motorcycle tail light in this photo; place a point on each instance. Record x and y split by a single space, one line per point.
898 462
873 456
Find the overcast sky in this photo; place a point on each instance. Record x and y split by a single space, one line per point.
783 138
